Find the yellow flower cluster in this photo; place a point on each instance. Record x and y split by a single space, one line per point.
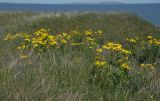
19 35
100 63
88 32
149 39
43 39
115 47
125 66
132 40
99 60
152 40
150 66
99 50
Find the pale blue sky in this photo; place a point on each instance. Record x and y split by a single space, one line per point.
77 1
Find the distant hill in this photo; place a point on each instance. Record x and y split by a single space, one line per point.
3 2
112 3
95 3
104 2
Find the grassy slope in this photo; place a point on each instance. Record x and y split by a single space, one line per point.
47 79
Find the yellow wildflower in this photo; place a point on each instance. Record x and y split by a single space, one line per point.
126 58
35 45
120 60
23 46
89 39
91 47
99 50
142 65
68 37
100 63
150 66
74 32
53 43
125 66
63 41
99 32
149 37
18 48
64 34
131 40
88 32
150 42
157 42
126 51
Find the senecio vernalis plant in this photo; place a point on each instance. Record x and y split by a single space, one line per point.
42 40
111 59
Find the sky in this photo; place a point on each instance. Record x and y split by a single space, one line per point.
79 1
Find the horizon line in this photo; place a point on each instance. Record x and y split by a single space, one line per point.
81 3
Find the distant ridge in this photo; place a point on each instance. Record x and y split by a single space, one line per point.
95 3
65 3
103 2
112 3
4 2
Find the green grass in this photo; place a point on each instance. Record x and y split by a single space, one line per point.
53 75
